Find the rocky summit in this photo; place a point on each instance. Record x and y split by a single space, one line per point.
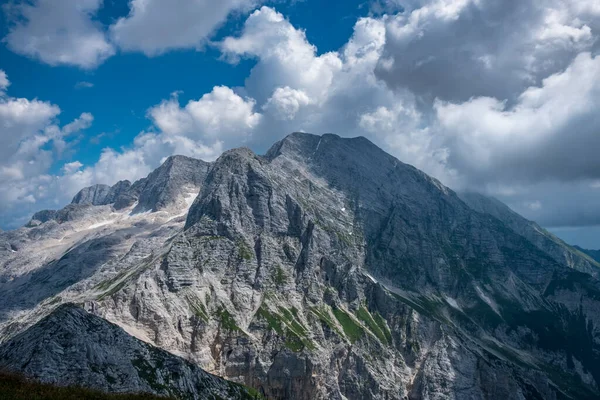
325 269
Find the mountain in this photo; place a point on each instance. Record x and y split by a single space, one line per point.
72 347
325 269
595 254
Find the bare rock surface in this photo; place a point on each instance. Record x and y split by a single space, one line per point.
73 347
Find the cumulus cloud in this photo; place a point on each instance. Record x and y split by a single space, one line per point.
66 33
155 26
218 115
298 89
457 49
30 144
550 133
58 32
286 57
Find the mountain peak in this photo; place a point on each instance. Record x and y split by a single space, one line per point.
168 182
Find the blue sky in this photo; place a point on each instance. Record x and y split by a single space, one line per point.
496 98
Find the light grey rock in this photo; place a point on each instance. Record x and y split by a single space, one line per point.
178 175
94 195
72 347
100 195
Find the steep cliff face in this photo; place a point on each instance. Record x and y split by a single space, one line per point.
72 347
329 269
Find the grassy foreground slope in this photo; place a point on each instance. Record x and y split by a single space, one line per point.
18 387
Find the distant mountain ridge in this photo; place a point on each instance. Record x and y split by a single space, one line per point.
595 254
540 237
325 269
176 176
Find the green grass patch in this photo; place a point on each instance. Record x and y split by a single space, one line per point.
279 276
365 316
352 330
227 321
273 320
197 307
382 323
325 317
286 324
244 251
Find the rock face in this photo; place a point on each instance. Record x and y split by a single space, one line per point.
99 195
541 238
72 347
177 175
326 269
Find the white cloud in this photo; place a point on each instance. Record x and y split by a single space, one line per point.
297 89
202 129
84 85
30 143
457 49
23 119
217 115
58 32
550 133
286 57
72 167
4 82
83 122
155 26
66 33
286 102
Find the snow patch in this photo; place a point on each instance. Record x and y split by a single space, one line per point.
99 224
487 300
370 277
452 303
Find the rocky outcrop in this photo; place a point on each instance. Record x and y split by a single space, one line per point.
94 195
99 195
177 176
72 347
